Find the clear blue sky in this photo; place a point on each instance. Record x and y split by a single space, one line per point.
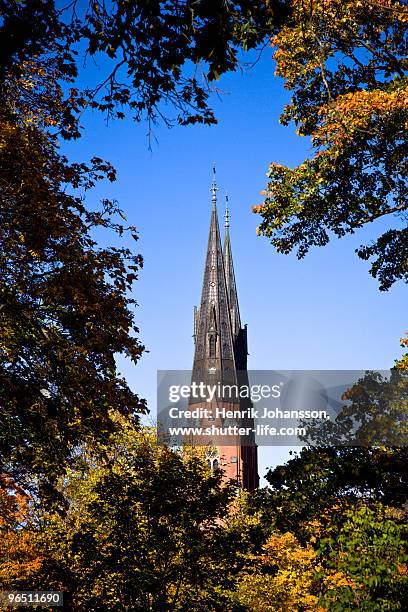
324 312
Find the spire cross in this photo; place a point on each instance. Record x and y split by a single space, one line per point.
214 189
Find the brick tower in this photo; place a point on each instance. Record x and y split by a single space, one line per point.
221 356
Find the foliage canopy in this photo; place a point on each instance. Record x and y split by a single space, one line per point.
345 63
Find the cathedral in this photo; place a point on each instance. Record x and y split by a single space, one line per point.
220 356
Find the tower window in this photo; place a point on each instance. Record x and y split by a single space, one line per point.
213 464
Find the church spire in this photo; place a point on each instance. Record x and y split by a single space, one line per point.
214 340
220 356
230 276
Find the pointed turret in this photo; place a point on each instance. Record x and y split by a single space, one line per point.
230 278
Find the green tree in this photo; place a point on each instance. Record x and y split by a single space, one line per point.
349 502
65 310
343 513
352 558
145 529
365 560
319 478
345 65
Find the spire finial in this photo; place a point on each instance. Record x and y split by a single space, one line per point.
226 212
214 189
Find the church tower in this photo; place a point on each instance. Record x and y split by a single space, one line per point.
220 356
